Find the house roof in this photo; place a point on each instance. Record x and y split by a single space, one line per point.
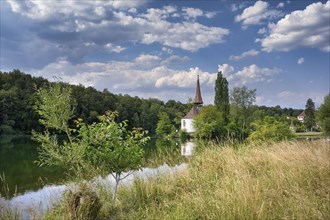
198 97
192 113
302 114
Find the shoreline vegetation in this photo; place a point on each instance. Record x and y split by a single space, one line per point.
284 180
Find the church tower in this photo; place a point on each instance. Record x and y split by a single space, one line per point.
187 121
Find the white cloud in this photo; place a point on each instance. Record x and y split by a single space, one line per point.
114 48
280 5
245 54
187 35
174 59
262 31
225 69
210 14
167 50
146 58
250 74
192 12
307 28
255 14
286 94
100 21
301 60
186 79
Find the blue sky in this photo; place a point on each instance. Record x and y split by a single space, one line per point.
156 49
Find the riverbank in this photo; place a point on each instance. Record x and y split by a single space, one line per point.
287 180
275 181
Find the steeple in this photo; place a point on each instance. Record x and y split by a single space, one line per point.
198 97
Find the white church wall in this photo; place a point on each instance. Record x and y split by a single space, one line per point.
187 125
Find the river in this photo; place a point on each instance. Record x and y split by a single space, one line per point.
37 188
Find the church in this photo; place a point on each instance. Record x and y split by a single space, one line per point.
188 121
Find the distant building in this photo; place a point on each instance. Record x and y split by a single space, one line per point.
301 117
188 121
292 127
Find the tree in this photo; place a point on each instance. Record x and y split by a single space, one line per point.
270 129
243 97
112 148
309 119
209 123
89 150
221 99
323 115
241 100
164 125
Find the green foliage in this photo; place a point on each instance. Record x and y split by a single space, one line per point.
54 105
96 149
209 123
164 125
324 115
18 96
243 97
112 142
270 129
221 99
309 119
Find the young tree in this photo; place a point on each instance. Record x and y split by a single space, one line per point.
323 115
309 119
164 125
112 148
221 99
98 149
209 123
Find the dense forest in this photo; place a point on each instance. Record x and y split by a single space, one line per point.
17 98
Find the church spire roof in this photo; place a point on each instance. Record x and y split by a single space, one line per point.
198 97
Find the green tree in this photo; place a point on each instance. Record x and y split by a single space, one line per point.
112 148
221 99
209 123
164 125
270 129
88 150
243 97
323 115
309 119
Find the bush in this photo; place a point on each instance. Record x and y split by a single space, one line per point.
270 129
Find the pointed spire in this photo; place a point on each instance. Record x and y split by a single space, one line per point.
198 97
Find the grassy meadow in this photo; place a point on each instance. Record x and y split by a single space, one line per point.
286 180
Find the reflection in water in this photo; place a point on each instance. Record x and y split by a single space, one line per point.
187 149
43 199
17 156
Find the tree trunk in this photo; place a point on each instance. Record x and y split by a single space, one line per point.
117 179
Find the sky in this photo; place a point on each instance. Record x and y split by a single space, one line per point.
156 49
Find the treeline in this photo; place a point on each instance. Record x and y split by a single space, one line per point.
17 98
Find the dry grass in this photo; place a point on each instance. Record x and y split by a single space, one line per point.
287 180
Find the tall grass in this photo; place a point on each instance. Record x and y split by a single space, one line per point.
6 212
287 180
